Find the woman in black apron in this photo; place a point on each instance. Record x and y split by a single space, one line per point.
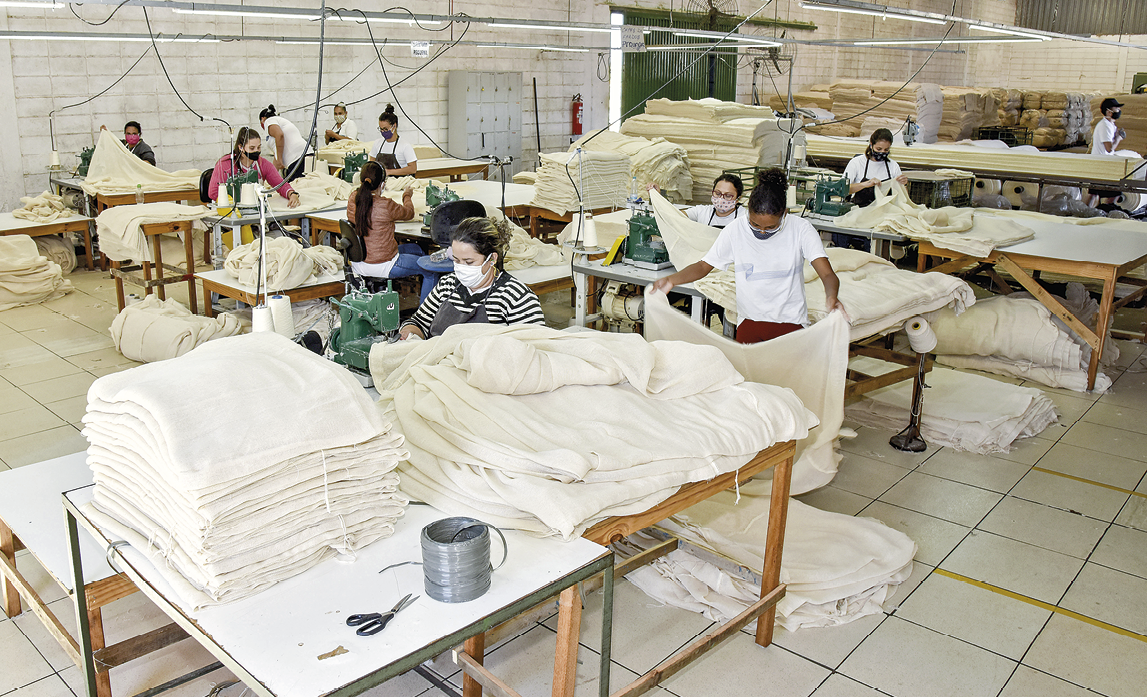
478 291
865 172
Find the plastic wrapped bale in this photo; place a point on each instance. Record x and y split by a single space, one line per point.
992 201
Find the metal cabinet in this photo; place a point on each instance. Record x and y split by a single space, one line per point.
485 114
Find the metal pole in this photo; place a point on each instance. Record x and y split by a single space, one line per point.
87 662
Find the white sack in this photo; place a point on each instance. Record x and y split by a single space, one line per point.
155 330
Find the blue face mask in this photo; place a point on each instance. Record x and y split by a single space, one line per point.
385 134
766 234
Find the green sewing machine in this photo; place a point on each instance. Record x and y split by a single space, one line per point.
85 162
435 197
367 318
235 184
644 247
828 188
352 163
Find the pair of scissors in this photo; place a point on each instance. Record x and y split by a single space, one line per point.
372 623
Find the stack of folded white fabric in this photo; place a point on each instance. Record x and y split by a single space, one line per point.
654 161
26 277
156 330
58 249
965 110
120 228
116 170
289 264
602 178
283 462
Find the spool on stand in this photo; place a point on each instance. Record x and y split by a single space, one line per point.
909 440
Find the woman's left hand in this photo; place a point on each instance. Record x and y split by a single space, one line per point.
835 304
293 200
902 180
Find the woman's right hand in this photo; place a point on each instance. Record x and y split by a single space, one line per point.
405 332
408 191
653 187
663 284
872 182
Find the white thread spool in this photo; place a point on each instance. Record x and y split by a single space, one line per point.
282 316
247 195
1015 192
588 231
988 187
54 160
222 200
1129 201
799 152
261 320
791 196
920 335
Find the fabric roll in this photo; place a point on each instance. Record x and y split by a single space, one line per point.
27 277
1016 192
988 187
59 249
156 330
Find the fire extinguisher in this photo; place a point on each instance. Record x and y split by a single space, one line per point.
577 108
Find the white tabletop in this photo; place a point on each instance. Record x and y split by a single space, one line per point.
432 164
247 217
30 504
9 222
278 635
1100 244
221 277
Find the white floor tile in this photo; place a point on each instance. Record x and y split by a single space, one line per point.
981 471
1124 549
1044 526
989 620
902 592
1117 416
23 319
906 660
934 537
741 667
60 388
45 445
1081 653
1110 596
43 365
16 350
1134 514
1070 495
51 686
1106 439
942 498
69 338
1070 408
828 646
830 498
839 686
873 443
23 665
1096 466
12 399
45 643
866 476
1027 682
1027 451
1018 567
1130 390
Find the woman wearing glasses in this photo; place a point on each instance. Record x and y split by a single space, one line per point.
727 190
767 249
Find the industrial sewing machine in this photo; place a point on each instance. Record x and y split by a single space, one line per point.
910 131
235 186
352 163
435 197
367 319
644 247
85 162
828 188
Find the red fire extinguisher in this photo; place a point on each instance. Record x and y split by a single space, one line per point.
577 108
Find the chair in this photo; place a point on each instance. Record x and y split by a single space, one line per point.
350 244
447 216
205 185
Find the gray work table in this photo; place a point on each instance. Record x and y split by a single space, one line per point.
882 240
627 273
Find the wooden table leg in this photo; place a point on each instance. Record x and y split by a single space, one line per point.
88 248
189 257
12 605
119 288
96 631
1104 317
774 545
208 311
475 648
569 631
157 252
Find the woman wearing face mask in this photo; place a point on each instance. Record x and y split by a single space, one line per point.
242 159
390 144
344 129
767 250
374 216
290 146
866 172
727 191
1105 140
478 290
133 139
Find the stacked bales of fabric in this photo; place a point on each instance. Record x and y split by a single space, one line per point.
156 330
602 178
289 264
1133 120
27 277
282 463
965 110
889 100
811 98
654 161
1010 104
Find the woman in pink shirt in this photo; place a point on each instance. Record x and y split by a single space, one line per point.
242 159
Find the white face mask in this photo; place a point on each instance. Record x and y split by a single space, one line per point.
471 276
339 118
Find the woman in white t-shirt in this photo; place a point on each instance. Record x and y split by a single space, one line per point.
344 128
290 146
865 172
390 144
1105 140
767 250
725 208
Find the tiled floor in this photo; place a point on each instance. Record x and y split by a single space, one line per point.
1030 581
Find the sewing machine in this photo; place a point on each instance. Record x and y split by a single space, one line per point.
235 186
85 162
828 188
367 318
644 247
435 197
352 163
910 131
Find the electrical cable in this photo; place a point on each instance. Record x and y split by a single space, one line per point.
168 76
603 61
331 94
51 124
95 24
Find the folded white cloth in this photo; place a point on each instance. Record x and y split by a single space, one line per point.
121 227
289 264
58 248
155 330
27 277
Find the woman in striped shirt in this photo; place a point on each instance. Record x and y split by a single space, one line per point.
478 290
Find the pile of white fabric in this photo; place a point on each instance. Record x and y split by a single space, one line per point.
155 330
59 249
115 170
1015 335
894 101
289 264
548 432
965 110
43 208
602 179
120 228
318 186
283 463
26 277
716 135
337 151
963 411
525 251
958 229
654 161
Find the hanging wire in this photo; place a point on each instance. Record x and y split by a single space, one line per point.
168 76
72 7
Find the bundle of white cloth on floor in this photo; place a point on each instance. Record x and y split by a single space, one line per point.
836 568
549 432
43 208
602 179
155 330
284 462
27 277
877 296
962 410
115 170
655 161
58 248
1015 335
120 228
962 230
289 264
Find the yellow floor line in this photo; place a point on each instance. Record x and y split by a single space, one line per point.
1090 481
1041 604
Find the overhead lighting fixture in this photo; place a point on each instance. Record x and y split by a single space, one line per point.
960 40
393 20
872 13
547 27
536 48
315 42
732 38
306 15
1009 32
159 39
32 3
